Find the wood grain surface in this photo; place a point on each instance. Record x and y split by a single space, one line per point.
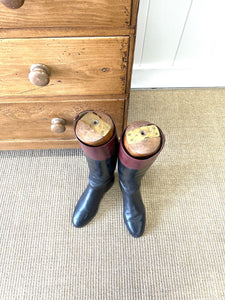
142 139
88 47
79 66
94 128
29 122
62 13
94 31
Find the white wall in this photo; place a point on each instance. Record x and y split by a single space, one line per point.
180 43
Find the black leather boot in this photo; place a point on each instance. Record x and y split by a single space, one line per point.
101 162
131 171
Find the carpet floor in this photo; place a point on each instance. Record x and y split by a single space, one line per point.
182 252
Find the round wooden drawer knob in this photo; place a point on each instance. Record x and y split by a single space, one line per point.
12 3
142 139
39 74
58 125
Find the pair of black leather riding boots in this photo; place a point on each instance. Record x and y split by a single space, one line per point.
102 163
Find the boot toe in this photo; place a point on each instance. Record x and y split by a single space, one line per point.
135 225
80 219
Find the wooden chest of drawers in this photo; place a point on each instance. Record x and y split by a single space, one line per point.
58 58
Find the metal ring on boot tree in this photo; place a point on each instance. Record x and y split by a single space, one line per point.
95 128
142 139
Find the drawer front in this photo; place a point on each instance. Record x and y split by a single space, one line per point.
79 66
32 121
62 13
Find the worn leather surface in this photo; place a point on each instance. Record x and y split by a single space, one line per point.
88 204
101 178
133 207
131 171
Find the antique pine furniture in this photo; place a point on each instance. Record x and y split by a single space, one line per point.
58 58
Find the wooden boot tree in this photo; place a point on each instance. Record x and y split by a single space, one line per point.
142 139
95 128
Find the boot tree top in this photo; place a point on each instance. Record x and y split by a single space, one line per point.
95 128
142 139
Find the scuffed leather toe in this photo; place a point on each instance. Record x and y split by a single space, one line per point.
135 225
82 218
88 204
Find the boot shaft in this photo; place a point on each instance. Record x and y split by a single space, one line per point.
130 179
101 171
131 171
101 159
138 163
98 153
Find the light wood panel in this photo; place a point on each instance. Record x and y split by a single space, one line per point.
62 13
79 66
79 31
30 122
